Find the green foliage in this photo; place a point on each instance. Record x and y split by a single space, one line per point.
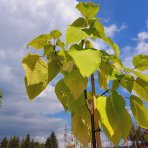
139 111
128 82
72 79
51 141
39 42
77 60
87 60
141 62
114 118
14 142
36 78
74 34
88 10
4 142
27 142
141 88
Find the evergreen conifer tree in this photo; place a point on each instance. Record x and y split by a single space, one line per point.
27 143
51 141
4 143
14 142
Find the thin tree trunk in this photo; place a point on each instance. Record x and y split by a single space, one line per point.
97 133
135 144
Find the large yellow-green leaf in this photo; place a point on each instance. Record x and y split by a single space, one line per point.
55 34
68 101
76 83
118 102
49 50
36 69
39 42
53 70
103 74
99 31
140 75
113 115
35 89
36 78
80 130
127 82
74 34
89 10
124 127
66 60
80 22
141 62
86 60
64 95
141 88
139 111
115 85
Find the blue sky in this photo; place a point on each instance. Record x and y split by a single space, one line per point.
126 22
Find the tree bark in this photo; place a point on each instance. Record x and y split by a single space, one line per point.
96 121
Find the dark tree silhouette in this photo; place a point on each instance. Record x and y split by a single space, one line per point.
4 143
27 143
51 141
14 142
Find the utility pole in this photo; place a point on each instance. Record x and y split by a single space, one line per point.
65 136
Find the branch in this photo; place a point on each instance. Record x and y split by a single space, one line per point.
89 107
105 92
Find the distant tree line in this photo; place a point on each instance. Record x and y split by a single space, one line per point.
27 142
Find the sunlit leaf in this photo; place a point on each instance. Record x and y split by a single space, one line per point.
139 111
55 34
98 30
140 75
141 88
60 43
53 70
103 74
49 50
35 89
36 69
115 85
114 118
86 60
64 95
80 130
39 42
80 22
88 9
141 62
88 44
74 34
127 82
36 78
66 60
76 83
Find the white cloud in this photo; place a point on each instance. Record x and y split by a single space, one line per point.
22 21
123 27
111 30
142 43
142 36
141 47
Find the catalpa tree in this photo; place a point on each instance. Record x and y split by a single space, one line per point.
78 61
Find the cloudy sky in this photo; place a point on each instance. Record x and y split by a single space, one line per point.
126 22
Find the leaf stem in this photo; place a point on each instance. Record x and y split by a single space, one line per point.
105 92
